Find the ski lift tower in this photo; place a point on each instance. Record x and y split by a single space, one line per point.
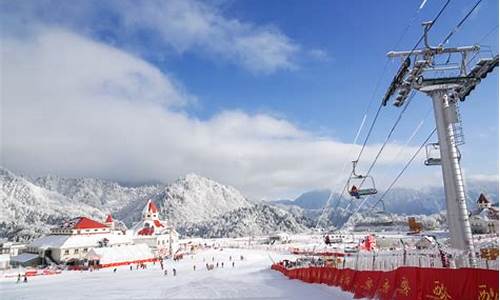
430 70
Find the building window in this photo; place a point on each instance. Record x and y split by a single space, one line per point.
66 252
85 250
76 251
96 229
78 232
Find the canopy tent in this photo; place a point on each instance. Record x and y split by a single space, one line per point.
123 255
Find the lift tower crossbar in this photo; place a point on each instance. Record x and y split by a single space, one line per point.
445 91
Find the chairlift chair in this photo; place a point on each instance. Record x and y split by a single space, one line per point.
432 155
356 181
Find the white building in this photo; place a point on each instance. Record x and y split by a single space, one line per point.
157 234
9 250
485 218
75 238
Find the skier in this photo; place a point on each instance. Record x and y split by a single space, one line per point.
165 273
130 267
114 270
217 264
233 264
222 264
194 267
18 278
25 278
174 271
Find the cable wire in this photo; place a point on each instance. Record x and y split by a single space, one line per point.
457 27
389 135
380 106
404 169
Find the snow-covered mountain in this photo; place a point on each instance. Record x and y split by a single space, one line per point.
401 200
194 199
258 219
29 207
107 196
27 210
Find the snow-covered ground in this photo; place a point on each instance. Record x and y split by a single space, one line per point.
250 278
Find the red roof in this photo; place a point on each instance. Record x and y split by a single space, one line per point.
152 207
158 223
109 219
146 231
85 223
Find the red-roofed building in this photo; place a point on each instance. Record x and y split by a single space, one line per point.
161 238
73 239
485 218
81 225
110 222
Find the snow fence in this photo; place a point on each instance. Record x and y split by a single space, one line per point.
403 282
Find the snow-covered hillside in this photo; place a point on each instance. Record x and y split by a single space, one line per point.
107 196
30 208
193 199
26 210
258 219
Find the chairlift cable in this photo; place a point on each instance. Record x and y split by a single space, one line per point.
389 135
404 169
457 27
380 106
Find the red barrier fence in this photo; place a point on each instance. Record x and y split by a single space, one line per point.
404 282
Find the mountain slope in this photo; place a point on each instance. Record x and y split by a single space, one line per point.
258 219
27 210
403 200
105 195
193 198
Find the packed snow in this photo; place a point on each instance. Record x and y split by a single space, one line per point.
250 278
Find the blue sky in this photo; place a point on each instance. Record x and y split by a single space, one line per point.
287 74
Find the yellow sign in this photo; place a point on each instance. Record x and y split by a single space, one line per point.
489 253
404 287
486 294
440 292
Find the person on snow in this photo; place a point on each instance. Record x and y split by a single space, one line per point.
130 267
114 270
194 267
233 264
165 273
25 278
18 278
174 271
217 264
222 264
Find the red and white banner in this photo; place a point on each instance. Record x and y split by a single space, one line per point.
404 282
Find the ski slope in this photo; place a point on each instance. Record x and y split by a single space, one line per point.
251 278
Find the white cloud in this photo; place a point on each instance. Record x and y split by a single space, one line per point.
483 177
75 107
182 25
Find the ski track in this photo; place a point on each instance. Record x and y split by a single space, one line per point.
250 279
